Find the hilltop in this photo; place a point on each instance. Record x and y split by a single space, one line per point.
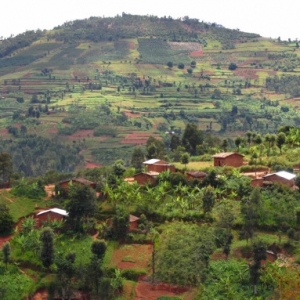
89 91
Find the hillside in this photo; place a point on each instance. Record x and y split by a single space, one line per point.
90 90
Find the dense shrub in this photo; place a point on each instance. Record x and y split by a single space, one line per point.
132 274
34 191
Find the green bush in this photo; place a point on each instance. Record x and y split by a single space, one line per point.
33 191
132 274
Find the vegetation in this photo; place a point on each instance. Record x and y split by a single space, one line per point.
115 92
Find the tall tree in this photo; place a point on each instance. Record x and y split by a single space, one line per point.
191 138
259 254
47 251
175 142
6 166
137 159
6 251
208 200
81 206
238 142
6 220
280 140
120 224
185 158
155 148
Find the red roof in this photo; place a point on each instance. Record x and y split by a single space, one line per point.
196 174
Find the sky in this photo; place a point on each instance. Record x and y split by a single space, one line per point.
269 18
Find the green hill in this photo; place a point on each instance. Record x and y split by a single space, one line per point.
93 89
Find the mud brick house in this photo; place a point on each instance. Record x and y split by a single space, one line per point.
133 222
146 177
281 177
157 165
196 175
231 159
79 181
50 215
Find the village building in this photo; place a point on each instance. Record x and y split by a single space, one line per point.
281 177
133 222
158 165
50 215
232 159
196 175
144 178
77 181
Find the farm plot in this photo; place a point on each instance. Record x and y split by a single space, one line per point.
138 138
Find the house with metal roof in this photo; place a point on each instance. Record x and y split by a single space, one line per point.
158 165
281 177
50 215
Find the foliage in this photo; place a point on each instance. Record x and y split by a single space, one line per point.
183 254
6 251
35 190
81 206
137 159
34 155
6 220
47 250
15 285
132 274
120 225
6 166
228 279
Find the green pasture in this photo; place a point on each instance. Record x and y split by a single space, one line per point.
21 206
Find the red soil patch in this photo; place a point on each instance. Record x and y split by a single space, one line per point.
4 239
131 45
132 256
197 53
247 73
40 295
52 129
147 291
91 165
81 134
138 138
132 115
4 132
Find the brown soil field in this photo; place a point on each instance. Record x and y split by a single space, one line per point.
134 256
138 138
91 165
80 134
147 291
196 53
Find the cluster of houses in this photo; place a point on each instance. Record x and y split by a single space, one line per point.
154 167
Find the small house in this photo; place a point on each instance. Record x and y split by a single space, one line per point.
232 159
79 181
281 177
133 222
146 177
50 215
196 175
158 165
